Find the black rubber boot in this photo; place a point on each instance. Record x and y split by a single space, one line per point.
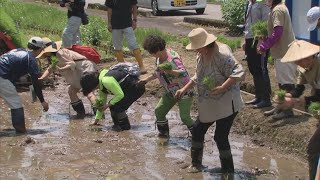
196 156
18 121
163 130
226 161
123 121
79 108
115 121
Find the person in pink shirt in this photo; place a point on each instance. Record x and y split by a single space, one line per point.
172 79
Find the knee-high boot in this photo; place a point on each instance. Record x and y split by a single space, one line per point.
226 161
124 121
119 55
163 129
137 55
18 121
79 108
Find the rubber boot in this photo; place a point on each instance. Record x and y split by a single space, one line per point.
163 130
190 130
124 121
283 114
115 121
137 55
18 121
79 108
196 163
119 55
226 161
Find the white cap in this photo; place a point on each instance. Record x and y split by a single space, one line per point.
36 41
313 16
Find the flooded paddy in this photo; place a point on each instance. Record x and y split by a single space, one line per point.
58 147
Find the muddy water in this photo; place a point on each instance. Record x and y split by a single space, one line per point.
71 149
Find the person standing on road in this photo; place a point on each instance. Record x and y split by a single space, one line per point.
122 20
217 79
76 15
257 63
280 36
307 57
172 79
121 81
13 65
72 66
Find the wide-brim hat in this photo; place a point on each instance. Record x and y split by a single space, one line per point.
300 49
54 47
199 38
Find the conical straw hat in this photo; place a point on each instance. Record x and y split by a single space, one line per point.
300 49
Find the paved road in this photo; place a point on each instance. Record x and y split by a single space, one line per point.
212 11
169 21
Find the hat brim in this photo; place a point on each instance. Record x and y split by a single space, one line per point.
211 38
312 26
50 49
291 56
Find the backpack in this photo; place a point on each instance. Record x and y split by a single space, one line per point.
89 52
128 68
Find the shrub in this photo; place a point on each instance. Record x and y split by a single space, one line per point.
233 13
95 32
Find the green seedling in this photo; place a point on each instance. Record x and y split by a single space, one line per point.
54 62
314 107
209 82
165 66
99 103
281 95
260 29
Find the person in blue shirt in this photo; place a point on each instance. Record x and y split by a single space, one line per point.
13 65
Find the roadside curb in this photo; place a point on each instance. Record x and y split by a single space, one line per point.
205 21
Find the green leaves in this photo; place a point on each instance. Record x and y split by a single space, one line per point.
314 107
260 29
54 62
233 13
281 94
209 82
99 103
165 66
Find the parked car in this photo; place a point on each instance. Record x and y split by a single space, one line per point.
158 6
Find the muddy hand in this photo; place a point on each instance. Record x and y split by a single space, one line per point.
178 94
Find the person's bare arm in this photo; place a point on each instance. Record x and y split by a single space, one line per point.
109 14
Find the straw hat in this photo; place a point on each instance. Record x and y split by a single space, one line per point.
200 38
300 49
54 47
47 42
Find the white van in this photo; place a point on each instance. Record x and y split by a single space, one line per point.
158 6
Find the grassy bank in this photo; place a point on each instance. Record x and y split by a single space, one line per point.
47 20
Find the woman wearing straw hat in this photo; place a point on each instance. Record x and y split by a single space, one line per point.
71 65
306 56
217 79
280 36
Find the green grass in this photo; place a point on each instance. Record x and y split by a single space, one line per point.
8 26
232 43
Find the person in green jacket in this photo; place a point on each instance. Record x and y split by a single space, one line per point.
120 80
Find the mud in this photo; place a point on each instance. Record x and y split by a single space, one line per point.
63 148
